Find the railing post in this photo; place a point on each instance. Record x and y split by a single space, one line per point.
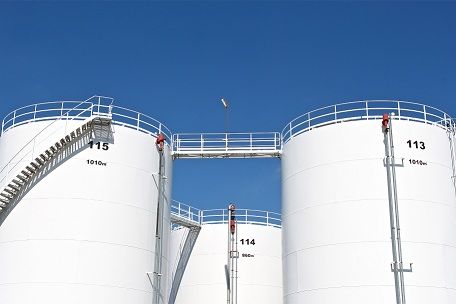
308 119
251 142
226 142
34 113
367 110
399 109
61 110
424 113
137 123
201 142
335 112
267 218
14 118
291 130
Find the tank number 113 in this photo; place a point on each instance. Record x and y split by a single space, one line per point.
416 144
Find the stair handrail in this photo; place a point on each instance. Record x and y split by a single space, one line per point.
90 108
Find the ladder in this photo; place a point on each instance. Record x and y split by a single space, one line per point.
14 188
194 229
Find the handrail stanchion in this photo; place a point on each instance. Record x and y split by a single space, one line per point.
137 122
34 113
425 114
367 110
335 112
201 143
399 109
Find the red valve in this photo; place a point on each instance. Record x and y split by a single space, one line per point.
160 142
232 226
385 120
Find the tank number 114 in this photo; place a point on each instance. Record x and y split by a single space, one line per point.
248 241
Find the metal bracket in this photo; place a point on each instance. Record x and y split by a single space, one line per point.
395 268
401 164
234 254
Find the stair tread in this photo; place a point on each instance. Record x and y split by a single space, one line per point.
14 187
9 191
18 182
6 195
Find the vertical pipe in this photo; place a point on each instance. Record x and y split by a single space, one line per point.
394 214
396 207
157 298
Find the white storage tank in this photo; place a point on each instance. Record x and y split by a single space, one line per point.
84 230
337 245
259 262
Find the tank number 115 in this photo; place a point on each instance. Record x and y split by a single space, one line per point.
416 144
99 145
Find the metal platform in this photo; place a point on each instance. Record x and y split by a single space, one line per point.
224 145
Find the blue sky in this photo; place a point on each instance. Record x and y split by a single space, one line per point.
273 60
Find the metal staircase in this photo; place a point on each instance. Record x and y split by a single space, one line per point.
184 218
12 189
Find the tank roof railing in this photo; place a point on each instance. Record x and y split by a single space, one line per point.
96 105
367 110
220 216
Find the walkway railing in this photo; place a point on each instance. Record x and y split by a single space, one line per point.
220 216
188 145
96 105
366 110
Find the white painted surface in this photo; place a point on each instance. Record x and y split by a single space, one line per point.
260 277
336 229
85 233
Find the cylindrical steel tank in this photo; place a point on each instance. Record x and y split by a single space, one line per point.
84 232
259 263
337 244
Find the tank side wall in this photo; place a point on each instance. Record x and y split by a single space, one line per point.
259 265
85 233
336 228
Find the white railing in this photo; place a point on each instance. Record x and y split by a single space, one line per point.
78 111
226 143
221 216
96 105
185 211
366 110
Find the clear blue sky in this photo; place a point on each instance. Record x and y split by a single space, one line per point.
272 60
